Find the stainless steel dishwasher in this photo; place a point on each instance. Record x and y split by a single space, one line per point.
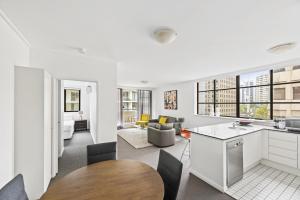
234 161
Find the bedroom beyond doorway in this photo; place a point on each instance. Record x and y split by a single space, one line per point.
77 114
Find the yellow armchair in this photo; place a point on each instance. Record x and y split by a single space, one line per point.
143 120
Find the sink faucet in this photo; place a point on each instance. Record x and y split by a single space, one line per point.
235 124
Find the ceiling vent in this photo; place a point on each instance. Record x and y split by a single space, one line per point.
281 48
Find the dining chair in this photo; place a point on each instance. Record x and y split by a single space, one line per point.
101 152
14 190
170 170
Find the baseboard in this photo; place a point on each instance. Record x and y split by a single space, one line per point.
281 167
251 166
207 180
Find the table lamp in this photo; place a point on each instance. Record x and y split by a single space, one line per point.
80 113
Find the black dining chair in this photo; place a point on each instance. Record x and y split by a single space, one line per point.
170 170
14 190
101 152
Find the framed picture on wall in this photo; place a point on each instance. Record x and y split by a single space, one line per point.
170 100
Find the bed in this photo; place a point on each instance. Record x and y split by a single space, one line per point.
68 129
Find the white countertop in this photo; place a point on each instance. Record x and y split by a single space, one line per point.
226 131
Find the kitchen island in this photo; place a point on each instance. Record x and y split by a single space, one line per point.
259 144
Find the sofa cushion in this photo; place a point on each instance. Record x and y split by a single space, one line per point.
171 120
157 126
165 127
153 125
163 120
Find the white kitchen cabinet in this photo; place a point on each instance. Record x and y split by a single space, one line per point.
283 148
265 144
252 150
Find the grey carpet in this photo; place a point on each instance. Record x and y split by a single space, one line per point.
191 188
74 155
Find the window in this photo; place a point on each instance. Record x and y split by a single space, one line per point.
205 97
296 93
134 103
225 96
72 100
217 96
289 82
279 93
257 95
295 67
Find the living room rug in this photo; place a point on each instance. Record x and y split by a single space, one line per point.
136 137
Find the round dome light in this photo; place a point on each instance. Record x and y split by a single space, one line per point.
164 35
281 48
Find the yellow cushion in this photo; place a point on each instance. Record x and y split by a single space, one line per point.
162 120
145 117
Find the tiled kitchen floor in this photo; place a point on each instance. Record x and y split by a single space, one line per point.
263 182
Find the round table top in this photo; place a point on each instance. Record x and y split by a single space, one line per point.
115 179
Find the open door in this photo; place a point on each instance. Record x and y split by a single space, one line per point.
60 112
54 128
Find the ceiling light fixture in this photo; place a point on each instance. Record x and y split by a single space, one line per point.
144 82
164 35
82 50
281 48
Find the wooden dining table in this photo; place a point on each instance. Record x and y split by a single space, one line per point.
114 179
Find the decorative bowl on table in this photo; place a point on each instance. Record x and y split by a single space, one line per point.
245 122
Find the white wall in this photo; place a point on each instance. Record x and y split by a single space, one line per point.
32 129
47 129
186 93
13 51
78 67
84 104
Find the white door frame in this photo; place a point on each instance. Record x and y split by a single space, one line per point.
54 128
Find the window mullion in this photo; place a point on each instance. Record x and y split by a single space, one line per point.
271 94
215 96
237 96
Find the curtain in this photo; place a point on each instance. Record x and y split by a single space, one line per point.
144 102
119 105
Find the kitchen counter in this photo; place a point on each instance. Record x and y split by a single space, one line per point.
226 131
261 144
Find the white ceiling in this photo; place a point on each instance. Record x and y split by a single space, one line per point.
215 36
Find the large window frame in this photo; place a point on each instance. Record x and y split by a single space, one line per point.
65 100
238 102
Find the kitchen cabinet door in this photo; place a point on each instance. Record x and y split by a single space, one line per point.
265 144
252 151
283 148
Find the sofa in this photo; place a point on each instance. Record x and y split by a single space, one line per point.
174 122
161 137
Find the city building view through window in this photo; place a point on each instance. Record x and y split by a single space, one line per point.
129 106
264 94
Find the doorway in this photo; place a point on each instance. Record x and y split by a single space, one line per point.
77 123
132 103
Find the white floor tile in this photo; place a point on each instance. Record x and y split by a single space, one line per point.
263 182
